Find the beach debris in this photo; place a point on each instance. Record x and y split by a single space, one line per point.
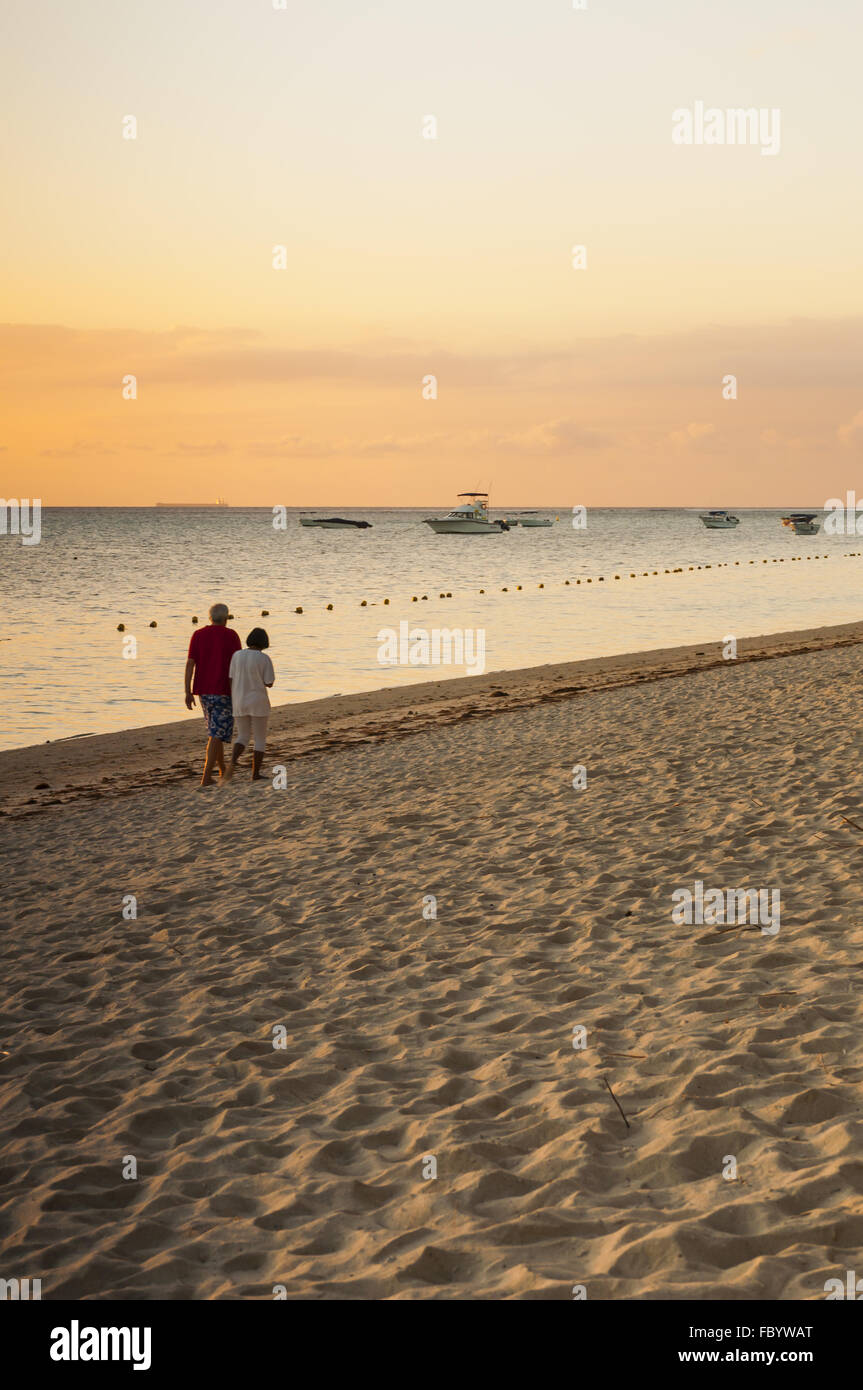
154 623
448 594
363 603
195 618
482 591
298 610
539 586
265 612
330 606
386 600
230 617
121 627
425 598
617 1103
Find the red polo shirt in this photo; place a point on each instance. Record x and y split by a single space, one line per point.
211 649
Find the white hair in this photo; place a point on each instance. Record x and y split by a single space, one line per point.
219 613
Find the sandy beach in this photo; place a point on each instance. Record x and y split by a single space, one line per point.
409 1037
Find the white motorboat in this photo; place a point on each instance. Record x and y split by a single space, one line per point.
470 518
529 519
802 523
719 520
334 523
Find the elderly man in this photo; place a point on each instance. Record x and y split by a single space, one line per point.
209 659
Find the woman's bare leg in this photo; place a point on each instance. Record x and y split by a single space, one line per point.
235 758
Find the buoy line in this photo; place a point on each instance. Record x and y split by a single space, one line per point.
600 579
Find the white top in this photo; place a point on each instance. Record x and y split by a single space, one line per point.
251 672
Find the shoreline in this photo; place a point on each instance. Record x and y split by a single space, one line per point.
94 766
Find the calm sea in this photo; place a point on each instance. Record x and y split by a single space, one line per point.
64 672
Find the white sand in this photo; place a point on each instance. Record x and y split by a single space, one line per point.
453 1037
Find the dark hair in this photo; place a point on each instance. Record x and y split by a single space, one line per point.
258 639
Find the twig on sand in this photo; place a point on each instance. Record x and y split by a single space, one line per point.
639 1056
617 1103
849 822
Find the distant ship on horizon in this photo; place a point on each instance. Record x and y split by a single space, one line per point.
219 502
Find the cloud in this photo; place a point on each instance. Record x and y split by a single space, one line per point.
218 448
81 447
797 354
554 437
852 433
691 434
302 446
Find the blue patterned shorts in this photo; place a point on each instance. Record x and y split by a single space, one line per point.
219 714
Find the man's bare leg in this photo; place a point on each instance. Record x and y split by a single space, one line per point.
235 758
211 759
257 759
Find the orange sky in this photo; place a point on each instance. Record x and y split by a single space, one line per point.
407 256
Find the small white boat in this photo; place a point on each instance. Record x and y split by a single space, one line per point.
802 523
719 520
334 523
469 519
529 519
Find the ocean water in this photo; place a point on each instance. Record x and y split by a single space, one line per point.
63 672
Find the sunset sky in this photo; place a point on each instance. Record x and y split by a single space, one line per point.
409 257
